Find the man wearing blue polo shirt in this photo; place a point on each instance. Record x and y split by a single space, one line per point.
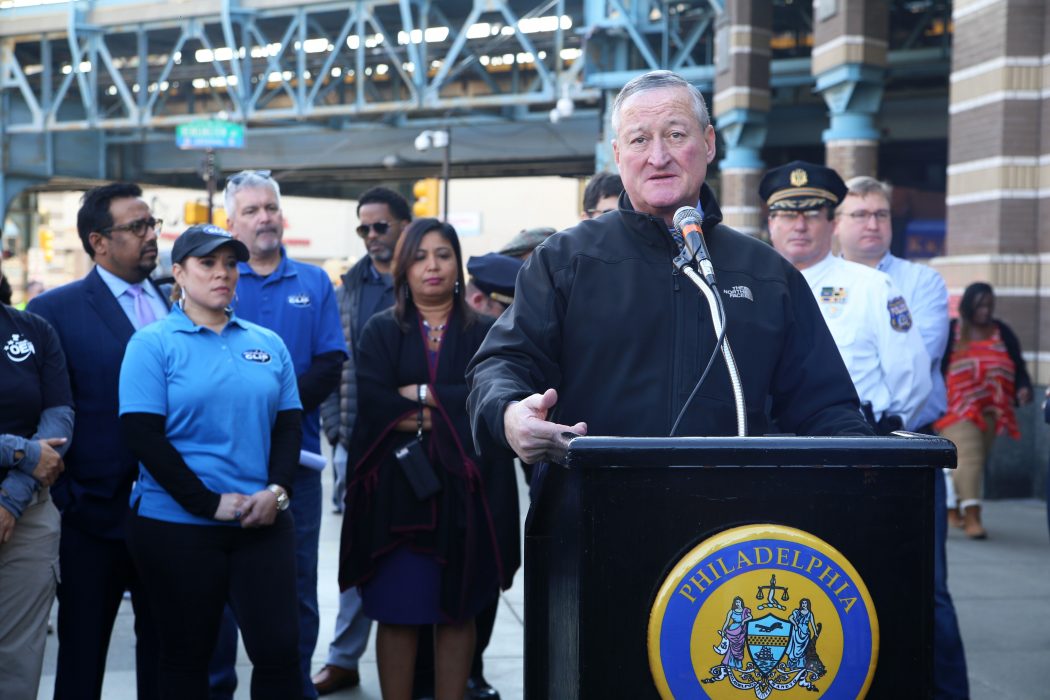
296 301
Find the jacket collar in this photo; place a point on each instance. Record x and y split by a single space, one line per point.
653 230
358 271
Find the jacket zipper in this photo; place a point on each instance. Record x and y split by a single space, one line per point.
675 301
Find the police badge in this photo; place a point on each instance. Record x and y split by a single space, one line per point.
900 316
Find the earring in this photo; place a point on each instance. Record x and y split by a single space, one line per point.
455 289
182 298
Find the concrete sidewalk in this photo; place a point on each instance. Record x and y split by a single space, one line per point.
1001 588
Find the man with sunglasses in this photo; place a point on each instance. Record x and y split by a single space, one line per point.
367 289
868 317
94 318
296 301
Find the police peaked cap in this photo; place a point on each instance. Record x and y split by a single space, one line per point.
495 275
799 186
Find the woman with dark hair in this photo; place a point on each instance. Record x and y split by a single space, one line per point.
210 405
431 528
986 378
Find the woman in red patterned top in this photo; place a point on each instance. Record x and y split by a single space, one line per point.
986 378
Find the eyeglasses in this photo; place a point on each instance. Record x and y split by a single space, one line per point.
811 215
245 174
380 227
137 227
861 216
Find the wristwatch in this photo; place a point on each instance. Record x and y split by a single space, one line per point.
282 496
421 394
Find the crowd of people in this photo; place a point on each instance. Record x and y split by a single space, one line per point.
165 439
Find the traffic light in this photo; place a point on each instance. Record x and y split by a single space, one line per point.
194 213
426 193
47 244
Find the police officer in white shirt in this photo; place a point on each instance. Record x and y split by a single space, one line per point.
867 315
862 226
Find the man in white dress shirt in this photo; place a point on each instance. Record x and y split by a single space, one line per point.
864 232
866 313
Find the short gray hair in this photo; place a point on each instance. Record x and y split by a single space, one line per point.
862 186
247 179
658 80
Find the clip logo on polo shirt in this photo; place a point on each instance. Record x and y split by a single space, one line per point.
260 356
18 349
299 299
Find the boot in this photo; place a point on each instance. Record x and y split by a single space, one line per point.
972 523
955 519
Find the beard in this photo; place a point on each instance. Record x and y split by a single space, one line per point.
381 253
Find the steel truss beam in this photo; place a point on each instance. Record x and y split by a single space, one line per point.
372 59
378 60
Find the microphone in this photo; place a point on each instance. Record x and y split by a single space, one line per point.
688 222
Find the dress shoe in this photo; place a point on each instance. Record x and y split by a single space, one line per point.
479 689
332 678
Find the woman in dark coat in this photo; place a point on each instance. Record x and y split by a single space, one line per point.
432 536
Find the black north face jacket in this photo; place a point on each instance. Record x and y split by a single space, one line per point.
601 315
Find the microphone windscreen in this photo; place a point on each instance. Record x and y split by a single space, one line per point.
686 213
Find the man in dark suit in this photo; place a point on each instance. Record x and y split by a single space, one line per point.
94 318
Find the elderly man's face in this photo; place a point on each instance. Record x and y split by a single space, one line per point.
803 237
662 151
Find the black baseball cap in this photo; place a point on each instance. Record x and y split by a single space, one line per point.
200 240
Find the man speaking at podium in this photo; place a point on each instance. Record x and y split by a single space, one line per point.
607 337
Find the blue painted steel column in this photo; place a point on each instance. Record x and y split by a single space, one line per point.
853 94
741 108
849 65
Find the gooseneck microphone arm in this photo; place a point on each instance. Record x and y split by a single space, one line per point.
696 249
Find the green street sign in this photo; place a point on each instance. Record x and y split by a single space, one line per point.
209 133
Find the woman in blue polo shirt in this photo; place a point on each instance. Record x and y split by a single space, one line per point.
209 405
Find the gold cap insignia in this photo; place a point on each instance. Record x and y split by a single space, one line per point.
799 178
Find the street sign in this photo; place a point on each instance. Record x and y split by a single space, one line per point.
209 133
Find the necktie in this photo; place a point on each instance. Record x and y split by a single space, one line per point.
678 238
143 311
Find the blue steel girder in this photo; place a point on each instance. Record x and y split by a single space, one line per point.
304 60
626 37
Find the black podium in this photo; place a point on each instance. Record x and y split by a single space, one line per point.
608 527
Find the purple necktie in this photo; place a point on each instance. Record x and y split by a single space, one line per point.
143 310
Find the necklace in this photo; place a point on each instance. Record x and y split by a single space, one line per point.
435 333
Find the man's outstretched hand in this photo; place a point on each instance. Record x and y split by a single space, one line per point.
532 437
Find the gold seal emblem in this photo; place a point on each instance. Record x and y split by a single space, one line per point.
799 177
764 608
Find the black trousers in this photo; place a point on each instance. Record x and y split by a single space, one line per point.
190 572
95 573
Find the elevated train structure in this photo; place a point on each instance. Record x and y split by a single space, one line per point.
333 94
